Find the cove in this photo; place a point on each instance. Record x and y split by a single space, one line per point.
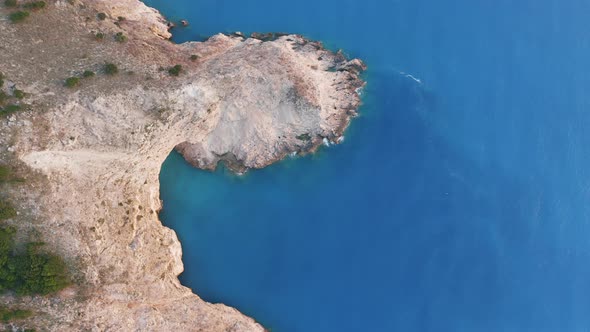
456 203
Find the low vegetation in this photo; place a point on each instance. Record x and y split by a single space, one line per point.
175 71
8 315
3 98
304 137
88 73
110 69
32 272
18 16
99 36
18 94
7 211
12 108
7 176
8 106
120 37
101 16
35 5
72 82
194 57
21 15
10 3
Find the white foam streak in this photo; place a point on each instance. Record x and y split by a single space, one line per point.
417 80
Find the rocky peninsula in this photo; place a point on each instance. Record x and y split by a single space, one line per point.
96 99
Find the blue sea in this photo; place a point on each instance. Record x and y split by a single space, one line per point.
459 200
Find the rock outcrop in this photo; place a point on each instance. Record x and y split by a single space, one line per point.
92 155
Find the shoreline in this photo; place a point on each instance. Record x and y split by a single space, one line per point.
92 154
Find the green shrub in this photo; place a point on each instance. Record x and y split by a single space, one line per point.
175 71
18 94
6 211
72 82
110 69
3 97
121 18
88 73
5 173
10 3
32 272
101 16
35 5
6 241
8 315
194 57
99 36
304 137
10 109
7 176
39 273
18 16
120 37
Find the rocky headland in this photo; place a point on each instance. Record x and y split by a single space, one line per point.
90 149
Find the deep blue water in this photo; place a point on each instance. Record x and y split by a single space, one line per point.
455 204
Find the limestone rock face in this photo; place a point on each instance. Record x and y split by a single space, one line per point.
92 155
270 99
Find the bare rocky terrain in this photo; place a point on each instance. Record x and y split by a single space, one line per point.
91 154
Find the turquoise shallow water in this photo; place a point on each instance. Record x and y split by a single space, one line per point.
457 203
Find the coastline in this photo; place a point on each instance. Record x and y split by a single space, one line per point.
92 155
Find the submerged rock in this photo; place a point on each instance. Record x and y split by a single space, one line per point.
262 36
267 36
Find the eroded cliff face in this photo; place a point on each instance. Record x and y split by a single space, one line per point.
91 155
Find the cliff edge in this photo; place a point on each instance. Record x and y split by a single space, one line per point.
90 151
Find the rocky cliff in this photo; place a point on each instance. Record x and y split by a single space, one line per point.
91 154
